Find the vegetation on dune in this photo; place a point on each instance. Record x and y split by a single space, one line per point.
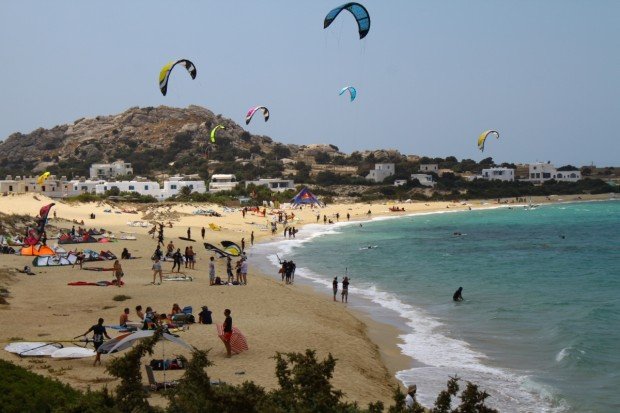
304 385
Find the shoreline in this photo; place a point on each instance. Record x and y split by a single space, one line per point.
339 329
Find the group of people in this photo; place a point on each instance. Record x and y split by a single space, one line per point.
344 295
287 270
241 272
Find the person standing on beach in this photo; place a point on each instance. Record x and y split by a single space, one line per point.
98 333
229 272
335 287
157 270
228 329
242 244
211 271
177 258
186 256
244 270
345 290
189 233
118 273
202 232
252 238
348 216
192 259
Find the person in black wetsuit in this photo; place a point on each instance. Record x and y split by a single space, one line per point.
98 333
458 295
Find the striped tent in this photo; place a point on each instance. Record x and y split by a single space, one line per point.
238 342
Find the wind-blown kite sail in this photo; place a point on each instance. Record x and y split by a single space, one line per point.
42 178
352 92
213 132
252 111
231 248
483 137
357 10
35 234
164 74
213 248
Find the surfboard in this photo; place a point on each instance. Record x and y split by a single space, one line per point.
179 278
187 239
32 349
73 353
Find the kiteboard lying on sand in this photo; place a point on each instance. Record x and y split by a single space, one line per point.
73 353
187 239
178 278
32 349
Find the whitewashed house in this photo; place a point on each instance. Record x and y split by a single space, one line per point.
498 174
275 185
381 171
222 182
424 179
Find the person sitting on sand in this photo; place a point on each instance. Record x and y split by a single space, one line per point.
125 255
204 317
458 295
124 319
170 249
139 313
157 254
410 398
175 310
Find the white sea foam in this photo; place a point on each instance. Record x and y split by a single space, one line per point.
427 340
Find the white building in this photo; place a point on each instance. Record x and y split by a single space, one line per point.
275 185
381 171
110 170
400 182
141 187
222 182
499 174
84 186
425 179
541 172
429 167
174 184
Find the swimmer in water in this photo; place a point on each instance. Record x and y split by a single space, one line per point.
458 295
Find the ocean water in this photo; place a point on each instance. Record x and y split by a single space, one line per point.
539 329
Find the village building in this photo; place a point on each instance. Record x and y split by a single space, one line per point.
540 172
381 171
429 167
275 185
222 182
110 170
499 174
424 179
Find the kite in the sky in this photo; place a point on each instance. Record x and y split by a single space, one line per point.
42 178
213 132
164 75
35 234
251 112
352 92
357 10
483 137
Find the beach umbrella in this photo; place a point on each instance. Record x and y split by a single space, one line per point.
238 342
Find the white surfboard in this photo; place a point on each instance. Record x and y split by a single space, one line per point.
32 349
73 353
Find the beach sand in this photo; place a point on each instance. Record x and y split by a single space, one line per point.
273 317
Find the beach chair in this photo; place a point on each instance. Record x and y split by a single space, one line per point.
154 385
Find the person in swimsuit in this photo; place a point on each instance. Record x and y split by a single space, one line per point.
139 313
98 333
157 270
118 273
124 319
458 295
227 332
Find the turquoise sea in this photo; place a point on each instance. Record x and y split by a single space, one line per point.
540 325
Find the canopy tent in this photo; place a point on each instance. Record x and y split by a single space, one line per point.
305 197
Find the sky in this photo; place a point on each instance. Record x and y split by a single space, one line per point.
431 75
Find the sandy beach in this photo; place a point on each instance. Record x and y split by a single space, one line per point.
274 317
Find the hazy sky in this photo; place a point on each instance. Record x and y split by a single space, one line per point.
431 74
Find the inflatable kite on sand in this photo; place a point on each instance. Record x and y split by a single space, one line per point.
35 234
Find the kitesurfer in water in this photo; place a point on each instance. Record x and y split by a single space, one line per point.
458 295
